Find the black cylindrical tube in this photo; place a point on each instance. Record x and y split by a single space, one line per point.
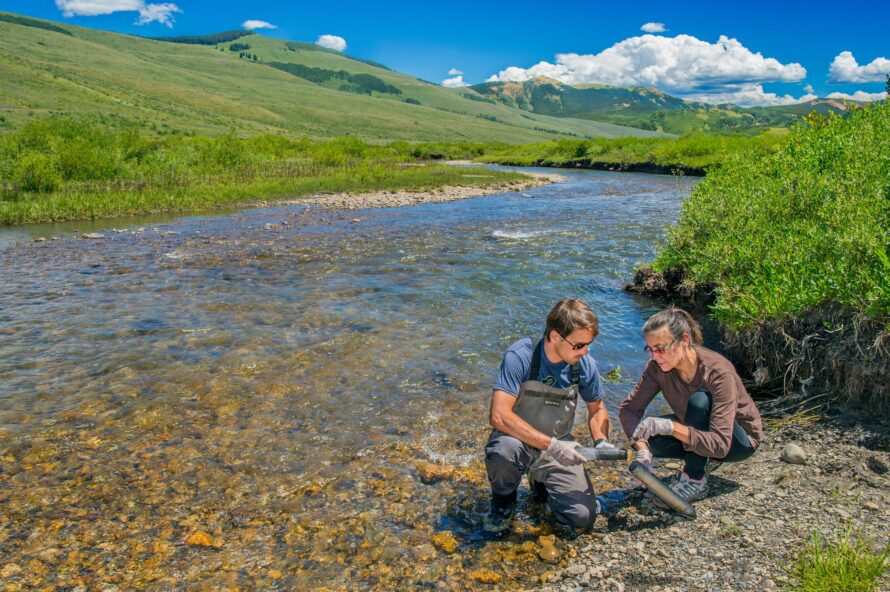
603 453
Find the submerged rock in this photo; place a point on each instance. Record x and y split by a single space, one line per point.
199 539
433 473
445 541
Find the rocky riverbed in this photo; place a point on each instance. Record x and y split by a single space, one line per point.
397 199
755 522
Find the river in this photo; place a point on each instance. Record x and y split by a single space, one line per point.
289 398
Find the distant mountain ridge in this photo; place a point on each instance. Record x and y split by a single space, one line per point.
645 108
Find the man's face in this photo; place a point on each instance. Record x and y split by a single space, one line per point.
566 347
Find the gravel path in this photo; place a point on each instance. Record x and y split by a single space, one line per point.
758 517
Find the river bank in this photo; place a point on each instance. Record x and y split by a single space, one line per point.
756 521
398 199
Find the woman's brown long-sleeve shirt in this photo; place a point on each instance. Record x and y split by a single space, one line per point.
730 402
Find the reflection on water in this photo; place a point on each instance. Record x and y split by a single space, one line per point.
307 389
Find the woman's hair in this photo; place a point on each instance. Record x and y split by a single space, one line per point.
678 321
569 314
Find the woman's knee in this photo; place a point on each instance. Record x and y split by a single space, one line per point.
698 410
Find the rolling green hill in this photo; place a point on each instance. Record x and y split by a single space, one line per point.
645 108
174 87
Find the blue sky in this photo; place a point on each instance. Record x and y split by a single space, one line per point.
748 53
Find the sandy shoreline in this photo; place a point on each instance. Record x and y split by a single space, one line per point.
397 199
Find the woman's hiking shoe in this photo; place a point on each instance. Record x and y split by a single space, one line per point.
688 489
500 513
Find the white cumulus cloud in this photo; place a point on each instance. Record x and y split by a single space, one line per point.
252 24
161 13
72 8
681 65
456 82
860 96
148 13
748 95
845 68
455 72
331 42
653 28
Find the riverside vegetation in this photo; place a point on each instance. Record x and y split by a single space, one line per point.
67 169
61 168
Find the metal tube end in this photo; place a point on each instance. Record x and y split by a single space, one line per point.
662 491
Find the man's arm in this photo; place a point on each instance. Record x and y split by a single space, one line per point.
502 418
598 420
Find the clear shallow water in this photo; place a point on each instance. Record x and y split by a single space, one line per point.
278 378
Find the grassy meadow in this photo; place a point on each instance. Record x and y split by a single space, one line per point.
169 88
68 169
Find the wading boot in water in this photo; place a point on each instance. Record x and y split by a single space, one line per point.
500 513
539 491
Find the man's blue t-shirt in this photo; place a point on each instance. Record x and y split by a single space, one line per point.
517 365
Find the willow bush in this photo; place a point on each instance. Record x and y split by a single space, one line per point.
786 231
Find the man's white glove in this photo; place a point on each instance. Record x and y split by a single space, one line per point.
644 457
566 453
653 426
604 444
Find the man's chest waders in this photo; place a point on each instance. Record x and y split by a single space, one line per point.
548 409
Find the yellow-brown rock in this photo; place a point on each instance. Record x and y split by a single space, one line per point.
433 473
445 541
199 538
548 551
486 576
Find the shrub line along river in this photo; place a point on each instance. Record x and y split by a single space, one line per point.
293 398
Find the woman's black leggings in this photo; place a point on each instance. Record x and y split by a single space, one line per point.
698 416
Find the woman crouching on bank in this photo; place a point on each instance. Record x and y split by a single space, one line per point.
714 419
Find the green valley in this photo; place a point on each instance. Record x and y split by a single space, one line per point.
196 88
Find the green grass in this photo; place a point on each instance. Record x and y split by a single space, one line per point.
786 231
698 152
66 169
172 88
845 565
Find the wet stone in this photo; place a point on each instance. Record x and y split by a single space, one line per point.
445 541
433 473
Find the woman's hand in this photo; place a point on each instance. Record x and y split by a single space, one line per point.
653 426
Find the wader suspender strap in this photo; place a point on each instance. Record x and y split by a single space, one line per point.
536 365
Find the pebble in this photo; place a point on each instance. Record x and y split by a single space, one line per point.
93 235
794 454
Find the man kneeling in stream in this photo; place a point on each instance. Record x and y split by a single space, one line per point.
532 410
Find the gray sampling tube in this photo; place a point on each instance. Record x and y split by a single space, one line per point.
603 453
664 493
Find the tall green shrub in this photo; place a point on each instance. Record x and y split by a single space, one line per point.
34 171
784 232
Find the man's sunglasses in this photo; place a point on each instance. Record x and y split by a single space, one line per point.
575 346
